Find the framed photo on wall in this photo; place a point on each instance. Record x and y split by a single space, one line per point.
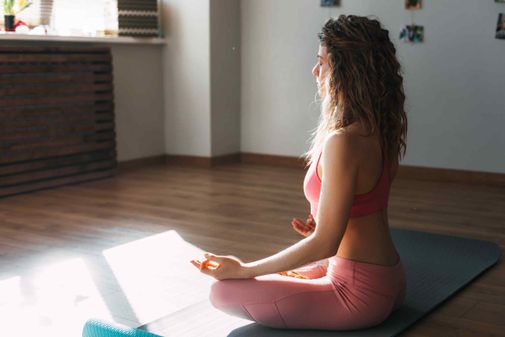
330 3
413 5
500 27
412 34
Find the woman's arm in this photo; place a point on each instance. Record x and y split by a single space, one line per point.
340 168
299 254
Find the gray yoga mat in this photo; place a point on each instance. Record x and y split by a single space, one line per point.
437 266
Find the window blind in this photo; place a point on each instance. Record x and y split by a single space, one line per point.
138 18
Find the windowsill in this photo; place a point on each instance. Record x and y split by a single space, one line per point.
120 39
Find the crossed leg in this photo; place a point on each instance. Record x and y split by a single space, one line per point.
318 302
279 301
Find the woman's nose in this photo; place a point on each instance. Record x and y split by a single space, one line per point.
314 71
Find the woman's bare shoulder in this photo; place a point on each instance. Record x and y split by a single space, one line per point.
342 138
342 146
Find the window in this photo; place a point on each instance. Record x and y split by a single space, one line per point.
92 17
84 17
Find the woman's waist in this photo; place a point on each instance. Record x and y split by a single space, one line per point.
368 242
385 257
344 263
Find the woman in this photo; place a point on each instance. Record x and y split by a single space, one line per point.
347 273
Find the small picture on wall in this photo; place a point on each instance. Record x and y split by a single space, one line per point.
413 5
412 34
500 27
330 3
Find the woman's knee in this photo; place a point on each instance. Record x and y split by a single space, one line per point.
226 292
217 295
223 296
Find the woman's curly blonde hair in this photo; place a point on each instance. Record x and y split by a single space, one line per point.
364 84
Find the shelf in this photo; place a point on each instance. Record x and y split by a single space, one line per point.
57 38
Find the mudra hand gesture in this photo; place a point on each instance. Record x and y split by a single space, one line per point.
230 267
221 267
306 228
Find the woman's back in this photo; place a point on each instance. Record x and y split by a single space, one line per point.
367 238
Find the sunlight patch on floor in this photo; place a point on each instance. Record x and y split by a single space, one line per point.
132 284
155 274
54 301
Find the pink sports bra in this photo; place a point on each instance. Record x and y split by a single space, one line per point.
363 204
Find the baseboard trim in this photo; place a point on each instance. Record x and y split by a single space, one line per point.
140 162
404 171
451 175
233 158
272 160
198 161
188 160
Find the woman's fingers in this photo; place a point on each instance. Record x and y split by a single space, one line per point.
213 261
304 228
302 231
213 257
299 227
293 273
297 222
206 264
302 224
201 265
297 275
310 220
307 225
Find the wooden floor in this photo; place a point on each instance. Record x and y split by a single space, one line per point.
242 210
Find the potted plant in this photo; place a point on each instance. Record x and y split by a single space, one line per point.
11 9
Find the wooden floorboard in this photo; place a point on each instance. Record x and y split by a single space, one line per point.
226 209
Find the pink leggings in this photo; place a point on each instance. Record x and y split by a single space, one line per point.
340 294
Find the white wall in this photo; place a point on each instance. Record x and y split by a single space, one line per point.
454 81
202 77
225 76
186 71
138 98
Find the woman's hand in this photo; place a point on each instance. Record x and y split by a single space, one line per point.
294 274
306 228
221 267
